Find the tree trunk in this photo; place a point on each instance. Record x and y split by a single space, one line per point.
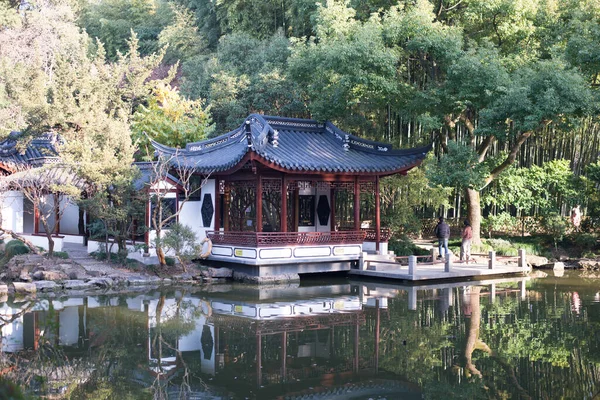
161 256
14 235
473 199
50 244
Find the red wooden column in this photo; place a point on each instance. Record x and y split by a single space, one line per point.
377 215
217 205
356 204
284 210
259 190
36 219
56 201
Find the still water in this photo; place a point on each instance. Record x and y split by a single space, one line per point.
508 338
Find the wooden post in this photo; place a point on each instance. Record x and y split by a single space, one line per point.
226 201
522 259
296 206
492 261
36 219
448 263
356 338
258 359
217 206
492 292
412 266
284 210
412 298
283 356
259 190
356 204
377 215
377 328
56 201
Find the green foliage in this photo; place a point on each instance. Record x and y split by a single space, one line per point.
170 261
401 195
182 240
61 254
245 75
113 21
556 226
503 222
13 248
538 94
170 119
181 36
401 245
459 168
10 391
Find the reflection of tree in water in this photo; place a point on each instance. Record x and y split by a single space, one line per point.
111 358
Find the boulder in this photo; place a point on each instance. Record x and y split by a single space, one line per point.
211 272
143 280
3 288
101 282
24 288
45 286
75 284
24 276
536 261
589 264
42 275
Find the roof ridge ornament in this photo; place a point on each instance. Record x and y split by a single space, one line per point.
346 142
248 130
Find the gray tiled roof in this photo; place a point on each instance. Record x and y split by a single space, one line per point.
147 175
39 151
303 145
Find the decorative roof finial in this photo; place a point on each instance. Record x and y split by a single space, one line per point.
275 138
346 144
248 133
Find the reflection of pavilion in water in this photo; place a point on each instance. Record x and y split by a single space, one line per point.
267 338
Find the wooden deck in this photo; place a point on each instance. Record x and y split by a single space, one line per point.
425 271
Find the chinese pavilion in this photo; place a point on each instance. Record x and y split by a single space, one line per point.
290 196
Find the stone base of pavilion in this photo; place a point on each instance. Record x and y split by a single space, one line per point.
438 271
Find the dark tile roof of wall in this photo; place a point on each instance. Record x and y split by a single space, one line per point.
295 145
37 151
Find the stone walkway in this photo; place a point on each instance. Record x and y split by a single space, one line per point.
78 253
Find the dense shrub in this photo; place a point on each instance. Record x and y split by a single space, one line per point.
13 248
61 254
170 261
403 246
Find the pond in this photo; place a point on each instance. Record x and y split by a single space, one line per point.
329 339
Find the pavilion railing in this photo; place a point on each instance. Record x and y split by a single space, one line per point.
272 239
384 234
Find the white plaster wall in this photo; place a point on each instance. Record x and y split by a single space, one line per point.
42 241
12 333
69 222
27 216
12 211
69 326
47 209
370 247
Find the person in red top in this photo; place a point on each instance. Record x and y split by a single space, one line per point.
465 248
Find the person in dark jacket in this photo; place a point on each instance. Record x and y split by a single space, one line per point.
442 232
